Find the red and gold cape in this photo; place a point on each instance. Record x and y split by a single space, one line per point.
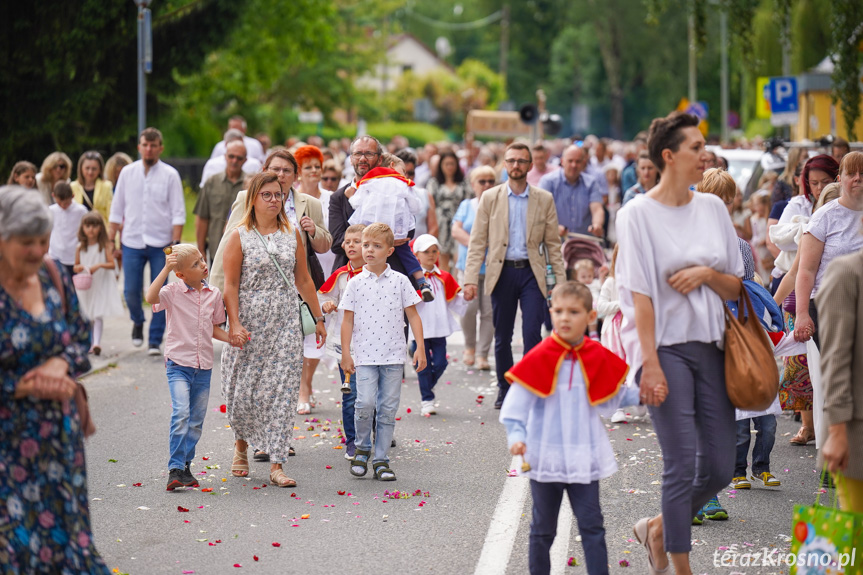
331 281
603 371
450 286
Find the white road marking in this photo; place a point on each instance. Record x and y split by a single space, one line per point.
504 525
560 547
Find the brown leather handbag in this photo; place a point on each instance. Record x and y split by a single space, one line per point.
751 375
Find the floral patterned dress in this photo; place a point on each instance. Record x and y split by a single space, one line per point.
261 382
44 515
446 204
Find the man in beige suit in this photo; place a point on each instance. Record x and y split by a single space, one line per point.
512 221
308 214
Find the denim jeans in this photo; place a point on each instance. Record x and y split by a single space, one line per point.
378 388
766 428
348 401
584 500
436 363
134 261
190 392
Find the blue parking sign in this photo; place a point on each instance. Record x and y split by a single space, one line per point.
783 95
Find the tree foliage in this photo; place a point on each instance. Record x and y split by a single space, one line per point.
848 59
68 69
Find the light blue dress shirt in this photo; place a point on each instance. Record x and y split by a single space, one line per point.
573 201
516 248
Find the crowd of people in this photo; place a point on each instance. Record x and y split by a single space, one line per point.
623 255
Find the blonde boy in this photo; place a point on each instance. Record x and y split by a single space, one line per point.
193 309
375 303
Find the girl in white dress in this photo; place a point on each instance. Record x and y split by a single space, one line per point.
95 256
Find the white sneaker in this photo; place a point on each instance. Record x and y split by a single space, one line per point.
428 408
618 417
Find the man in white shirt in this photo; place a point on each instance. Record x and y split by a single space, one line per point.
148 203
253 146
218 164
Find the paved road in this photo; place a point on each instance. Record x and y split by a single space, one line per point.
474 518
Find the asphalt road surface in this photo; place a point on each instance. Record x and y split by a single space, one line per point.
459 511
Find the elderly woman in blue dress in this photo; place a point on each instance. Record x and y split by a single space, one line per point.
44 516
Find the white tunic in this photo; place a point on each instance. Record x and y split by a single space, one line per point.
566 440
438 316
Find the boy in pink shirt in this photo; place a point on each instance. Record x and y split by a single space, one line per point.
193 309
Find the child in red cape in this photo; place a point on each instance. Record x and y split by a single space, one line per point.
552 419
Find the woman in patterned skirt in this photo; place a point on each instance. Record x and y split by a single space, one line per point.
261 380
44 512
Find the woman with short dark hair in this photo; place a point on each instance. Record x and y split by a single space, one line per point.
678 263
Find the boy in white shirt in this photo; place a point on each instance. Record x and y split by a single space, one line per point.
67 220
437 317
329 297
374 304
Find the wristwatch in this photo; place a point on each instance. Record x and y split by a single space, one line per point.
319 319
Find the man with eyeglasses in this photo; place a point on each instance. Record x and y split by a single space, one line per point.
217 164
216 196
148 203
365 155
577 195
512 221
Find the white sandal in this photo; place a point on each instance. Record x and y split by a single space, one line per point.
304 409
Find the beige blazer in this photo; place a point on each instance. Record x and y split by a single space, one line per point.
490 232
840 321
304 205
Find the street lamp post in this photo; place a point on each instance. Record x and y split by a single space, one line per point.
145 59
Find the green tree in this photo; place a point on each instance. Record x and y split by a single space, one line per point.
67 69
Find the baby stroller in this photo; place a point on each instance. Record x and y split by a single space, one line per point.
579 247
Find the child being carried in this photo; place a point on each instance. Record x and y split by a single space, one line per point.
385 196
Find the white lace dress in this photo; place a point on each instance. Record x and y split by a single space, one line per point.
103 298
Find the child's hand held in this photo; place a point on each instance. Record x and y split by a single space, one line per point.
328 307
518 448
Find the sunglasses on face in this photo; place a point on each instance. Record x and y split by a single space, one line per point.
485 182
235 157
329 179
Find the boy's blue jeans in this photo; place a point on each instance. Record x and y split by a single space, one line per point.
134 261
378 388
436 363
766 428
190 392
348 401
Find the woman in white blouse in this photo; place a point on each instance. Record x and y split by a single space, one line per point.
679 261
832 232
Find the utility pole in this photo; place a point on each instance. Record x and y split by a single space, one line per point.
504 44
723 79
145 59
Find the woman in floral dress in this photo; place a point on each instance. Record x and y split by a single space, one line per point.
44 514
261 380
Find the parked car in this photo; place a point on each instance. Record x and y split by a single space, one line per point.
747 166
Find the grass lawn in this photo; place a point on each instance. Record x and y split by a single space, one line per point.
190 197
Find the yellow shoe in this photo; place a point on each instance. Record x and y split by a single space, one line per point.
767 478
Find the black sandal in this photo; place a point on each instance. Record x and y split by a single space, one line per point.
383 471
360 463
291 452
262 456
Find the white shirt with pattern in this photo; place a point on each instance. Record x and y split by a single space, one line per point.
378 303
